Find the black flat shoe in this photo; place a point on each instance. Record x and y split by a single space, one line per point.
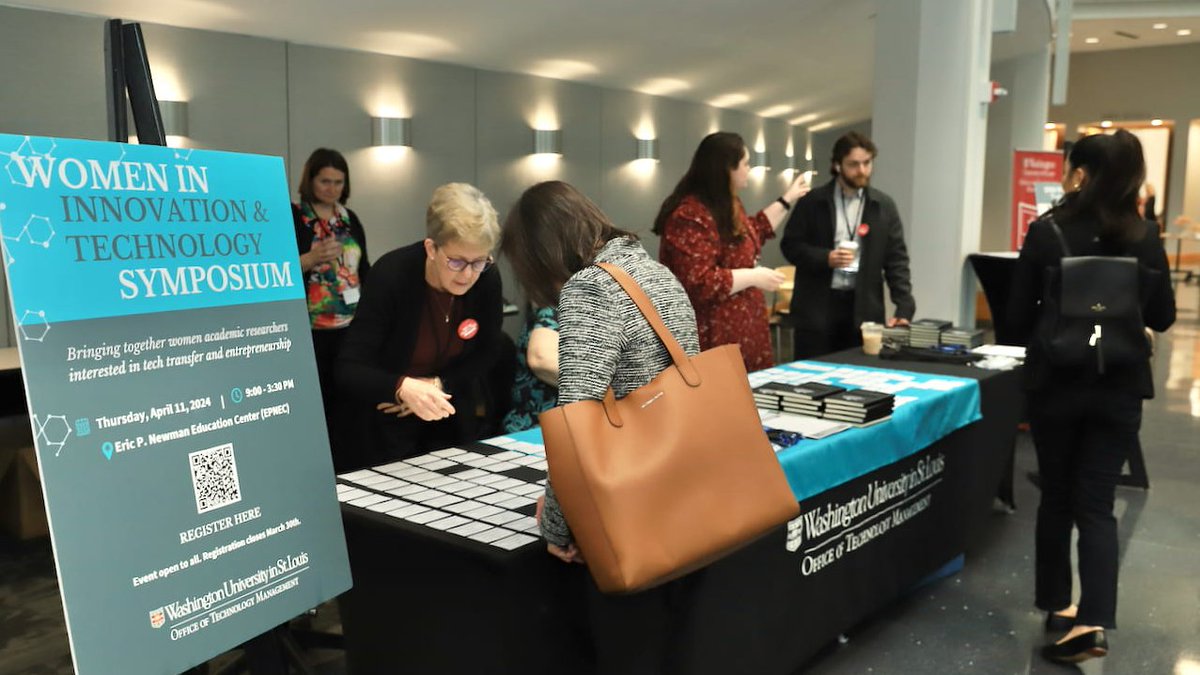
1077 649
1057 623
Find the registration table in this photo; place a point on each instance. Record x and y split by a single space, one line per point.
449 576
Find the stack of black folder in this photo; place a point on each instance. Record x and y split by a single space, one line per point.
801 399
927 332
859 406
968 338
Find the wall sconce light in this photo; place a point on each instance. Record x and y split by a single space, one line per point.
391 131
547 141
760 159
174 118
647 148
789 163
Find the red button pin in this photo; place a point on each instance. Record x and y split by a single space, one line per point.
863 229
468 329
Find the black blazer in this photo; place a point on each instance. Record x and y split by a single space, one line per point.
1042 250
807 241
380 341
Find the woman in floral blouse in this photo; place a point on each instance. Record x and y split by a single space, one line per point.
713 246
333 257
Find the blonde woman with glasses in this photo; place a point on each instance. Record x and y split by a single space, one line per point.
426 332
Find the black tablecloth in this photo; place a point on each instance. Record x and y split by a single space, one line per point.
995 277
428 602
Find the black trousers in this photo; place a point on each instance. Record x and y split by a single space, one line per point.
1083 436
839 332
642 633
326 344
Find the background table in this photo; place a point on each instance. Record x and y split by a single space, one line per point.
426 601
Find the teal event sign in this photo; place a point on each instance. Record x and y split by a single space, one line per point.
159 308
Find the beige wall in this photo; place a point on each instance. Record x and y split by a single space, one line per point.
266 96
1140 84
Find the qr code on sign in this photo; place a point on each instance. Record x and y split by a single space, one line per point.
214 478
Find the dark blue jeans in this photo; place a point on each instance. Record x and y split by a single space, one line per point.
1083 436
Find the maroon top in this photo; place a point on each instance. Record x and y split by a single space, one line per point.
693 250
438 342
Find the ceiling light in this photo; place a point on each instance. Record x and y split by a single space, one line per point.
391 132
547 141
1183 32
1106 124
729 100
1092 41
1159 26
1156 122
776 111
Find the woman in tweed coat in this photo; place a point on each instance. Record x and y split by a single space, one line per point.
552 236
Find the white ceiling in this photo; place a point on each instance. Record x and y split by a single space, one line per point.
808 62
1128 24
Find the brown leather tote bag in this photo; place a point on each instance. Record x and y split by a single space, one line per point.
670 478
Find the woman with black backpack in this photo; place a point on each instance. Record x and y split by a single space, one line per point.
1086 384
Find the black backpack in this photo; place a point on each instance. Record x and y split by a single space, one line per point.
1092 311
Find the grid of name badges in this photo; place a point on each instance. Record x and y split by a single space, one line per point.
487 494
888 382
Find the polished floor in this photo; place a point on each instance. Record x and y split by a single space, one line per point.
980 621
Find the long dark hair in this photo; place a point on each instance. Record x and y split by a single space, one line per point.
1115 169
708 180
552 232
320 159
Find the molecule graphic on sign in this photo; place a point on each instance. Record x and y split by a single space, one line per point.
33 325
53 431
8 259
37 231
21 172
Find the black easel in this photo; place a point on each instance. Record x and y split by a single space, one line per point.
130 83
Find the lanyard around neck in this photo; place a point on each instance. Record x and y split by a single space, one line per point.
862 203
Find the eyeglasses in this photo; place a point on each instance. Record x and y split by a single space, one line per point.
477 266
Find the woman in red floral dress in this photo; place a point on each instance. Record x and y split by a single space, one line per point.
713 246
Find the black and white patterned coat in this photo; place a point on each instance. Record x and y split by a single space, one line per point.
603 339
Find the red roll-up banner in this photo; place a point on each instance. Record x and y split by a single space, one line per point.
1030 168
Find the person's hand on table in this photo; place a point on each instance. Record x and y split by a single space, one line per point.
425 398
897 321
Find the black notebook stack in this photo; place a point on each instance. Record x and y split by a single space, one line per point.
806 398
768 396
896 335
799 399
969 338
927 332
859 406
